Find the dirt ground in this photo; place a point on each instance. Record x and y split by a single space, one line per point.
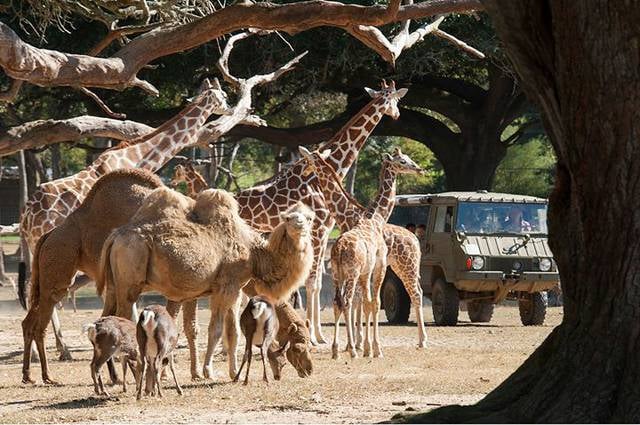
460 365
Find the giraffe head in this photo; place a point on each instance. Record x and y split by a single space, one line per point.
179 175
312 159
401 163
211 96
389 97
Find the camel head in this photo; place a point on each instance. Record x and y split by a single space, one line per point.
389 97
401 163
313 159
299 220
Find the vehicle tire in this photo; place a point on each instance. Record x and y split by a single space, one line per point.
395 300
445 303
480 312
533 309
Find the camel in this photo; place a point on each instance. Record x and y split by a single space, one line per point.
186 249
76 245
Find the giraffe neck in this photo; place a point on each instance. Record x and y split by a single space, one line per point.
346 144
344 208
153 151
382 205
196 185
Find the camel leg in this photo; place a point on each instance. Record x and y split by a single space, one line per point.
190 326
245 357
173 372
65 354
231 334
215 332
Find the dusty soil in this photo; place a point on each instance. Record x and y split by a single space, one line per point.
460 365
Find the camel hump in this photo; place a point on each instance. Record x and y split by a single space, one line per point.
212 205
162 203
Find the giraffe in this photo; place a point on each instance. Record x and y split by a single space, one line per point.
403 248
188 174
261 205
358 258
53 201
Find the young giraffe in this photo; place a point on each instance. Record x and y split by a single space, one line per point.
358 258
53 201
261 205
189 175
403 248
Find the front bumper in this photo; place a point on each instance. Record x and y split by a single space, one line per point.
479 281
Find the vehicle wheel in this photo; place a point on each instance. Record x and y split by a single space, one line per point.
533 309
445 303
480 312
395 300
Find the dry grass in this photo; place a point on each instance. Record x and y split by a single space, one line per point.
460 365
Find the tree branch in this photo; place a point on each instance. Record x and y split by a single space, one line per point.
459 43
46 132
47 68
10 95
101 104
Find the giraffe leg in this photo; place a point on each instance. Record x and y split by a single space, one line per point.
348 307
337 312
416 300
319 272
357 305
378 278
367 306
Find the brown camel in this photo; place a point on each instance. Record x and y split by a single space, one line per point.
186 249
76 245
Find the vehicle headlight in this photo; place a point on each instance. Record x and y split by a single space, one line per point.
477 263
545 264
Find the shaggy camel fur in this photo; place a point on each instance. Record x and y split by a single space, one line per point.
185 250
76 245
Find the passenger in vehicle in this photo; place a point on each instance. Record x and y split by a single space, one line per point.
421 231
515 222
411 227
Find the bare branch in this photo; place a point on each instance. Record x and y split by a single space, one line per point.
459 43
116 33
101 104
11 94
47 68
45 132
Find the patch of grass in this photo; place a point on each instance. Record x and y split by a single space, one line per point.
10 238
334 233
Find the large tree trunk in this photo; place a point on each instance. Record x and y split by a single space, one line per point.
472 165
579 61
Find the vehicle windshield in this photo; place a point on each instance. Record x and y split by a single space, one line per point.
501 217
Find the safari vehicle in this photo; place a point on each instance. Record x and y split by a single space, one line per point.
478 248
